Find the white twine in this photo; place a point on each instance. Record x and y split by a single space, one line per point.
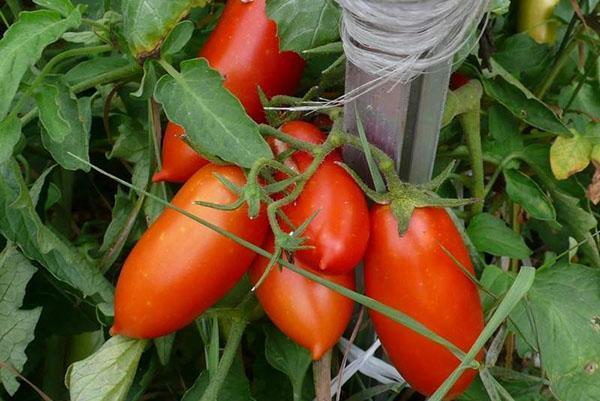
397 40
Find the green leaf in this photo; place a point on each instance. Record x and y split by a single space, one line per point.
22 46
37 186
124 205
587 99
177 39
305 24
164 348
10 133
132 140
148 22
20 223
569 156
65 7
287 356
500 7
509 92
94 67
107 374
497 281
212 117
577 220
17 328
66 121
146 89
527 193
521 53
564 304
490 234
235 388
504 130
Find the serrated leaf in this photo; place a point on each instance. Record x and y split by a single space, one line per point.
107 374
212 117
20 223
527 193
490 234
22 46
511 93
286 356
17 328
148 22
10 133
569 156
564 304
305 24
65 7
66 121
177 39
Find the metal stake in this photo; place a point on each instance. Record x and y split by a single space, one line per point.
402 120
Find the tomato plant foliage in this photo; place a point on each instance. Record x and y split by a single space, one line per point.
87 90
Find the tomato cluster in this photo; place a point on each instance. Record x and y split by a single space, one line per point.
179 268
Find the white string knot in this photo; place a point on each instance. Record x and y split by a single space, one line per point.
401 39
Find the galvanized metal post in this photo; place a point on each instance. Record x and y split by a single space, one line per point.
401 119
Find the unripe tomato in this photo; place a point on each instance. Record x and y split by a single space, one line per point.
415 275
340 231
179 160
179 268
535 19
309 313
244 48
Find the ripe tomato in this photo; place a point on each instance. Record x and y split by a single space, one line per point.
340 231
415 275
457 80
535 18
179 160
179 268
309 313
244 48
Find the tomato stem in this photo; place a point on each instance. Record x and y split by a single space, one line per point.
236 332
322 377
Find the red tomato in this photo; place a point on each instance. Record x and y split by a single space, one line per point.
309 313
244 48
340 231
180 161
415 275
179 268
457 80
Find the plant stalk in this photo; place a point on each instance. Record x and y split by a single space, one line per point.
236 332
322 377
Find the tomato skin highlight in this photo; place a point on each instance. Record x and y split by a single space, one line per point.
339 233
244 48
415 275
179 268
180 161
307 312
